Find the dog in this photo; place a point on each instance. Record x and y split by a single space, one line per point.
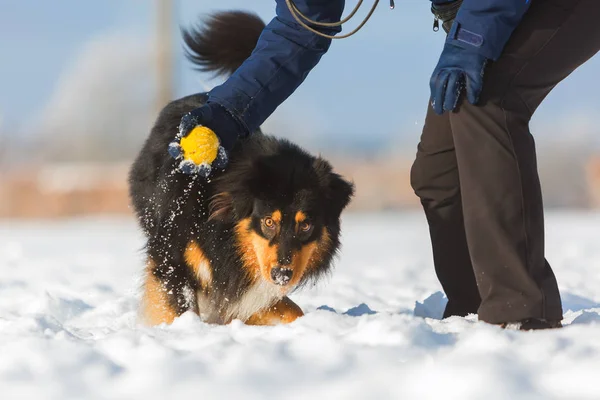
235 245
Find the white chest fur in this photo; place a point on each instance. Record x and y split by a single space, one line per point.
260 296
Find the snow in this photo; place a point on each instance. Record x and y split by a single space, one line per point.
68 327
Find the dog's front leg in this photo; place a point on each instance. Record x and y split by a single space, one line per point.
166 295
283 312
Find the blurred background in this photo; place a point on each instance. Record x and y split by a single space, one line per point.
82 82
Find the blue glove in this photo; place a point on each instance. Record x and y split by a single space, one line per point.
457 68
206 135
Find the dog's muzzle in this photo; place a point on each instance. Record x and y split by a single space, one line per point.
281 276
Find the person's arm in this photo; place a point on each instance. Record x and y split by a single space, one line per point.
486 25
284 55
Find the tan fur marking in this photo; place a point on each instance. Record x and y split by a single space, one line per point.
309 256
267 255
276 216
282 312
199 264
258 256
300 262
300 217
155 304
323 246
246 249
193 256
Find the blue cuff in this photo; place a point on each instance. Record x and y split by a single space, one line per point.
466 37
469 40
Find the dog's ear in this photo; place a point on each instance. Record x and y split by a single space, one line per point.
341 193
337 191
242 205
220 207
224 208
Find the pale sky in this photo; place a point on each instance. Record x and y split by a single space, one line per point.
369 90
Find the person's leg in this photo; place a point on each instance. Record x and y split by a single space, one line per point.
434 178
500 188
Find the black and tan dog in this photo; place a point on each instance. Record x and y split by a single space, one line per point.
233 247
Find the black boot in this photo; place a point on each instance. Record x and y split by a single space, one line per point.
532 324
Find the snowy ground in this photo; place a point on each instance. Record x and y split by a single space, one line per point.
68 329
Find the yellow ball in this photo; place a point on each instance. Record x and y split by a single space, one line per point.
201 145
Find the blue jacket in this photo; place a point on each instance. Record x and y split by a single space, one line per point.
486 25
286 52
284 55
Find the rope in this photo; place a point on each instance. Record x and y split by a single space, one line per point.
299 17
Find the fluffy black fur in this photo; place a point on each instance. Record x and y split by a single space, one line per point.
223 41
264 173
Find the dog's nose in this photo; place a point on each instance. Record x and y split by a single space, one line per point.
281 276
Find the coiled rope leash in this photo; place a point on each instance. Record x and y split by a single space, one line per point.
299 17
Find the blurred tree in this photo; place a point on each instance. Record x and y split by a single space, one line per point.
164 53
103 105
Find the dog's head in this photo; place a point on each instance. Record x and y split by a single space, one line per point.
285 207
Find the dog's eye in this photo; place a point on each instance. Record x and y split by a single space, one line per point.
269 223
305 226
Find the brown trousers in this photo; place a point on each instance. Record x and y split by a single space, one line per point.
476 171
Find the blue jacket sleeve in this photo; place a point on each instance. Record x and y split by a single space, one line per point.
284 55
486 25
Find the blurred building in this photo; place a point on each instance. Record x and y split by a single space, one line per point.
64 190
593 178
82 189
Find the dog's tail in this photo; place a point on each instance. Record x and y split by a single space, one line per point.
223 41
